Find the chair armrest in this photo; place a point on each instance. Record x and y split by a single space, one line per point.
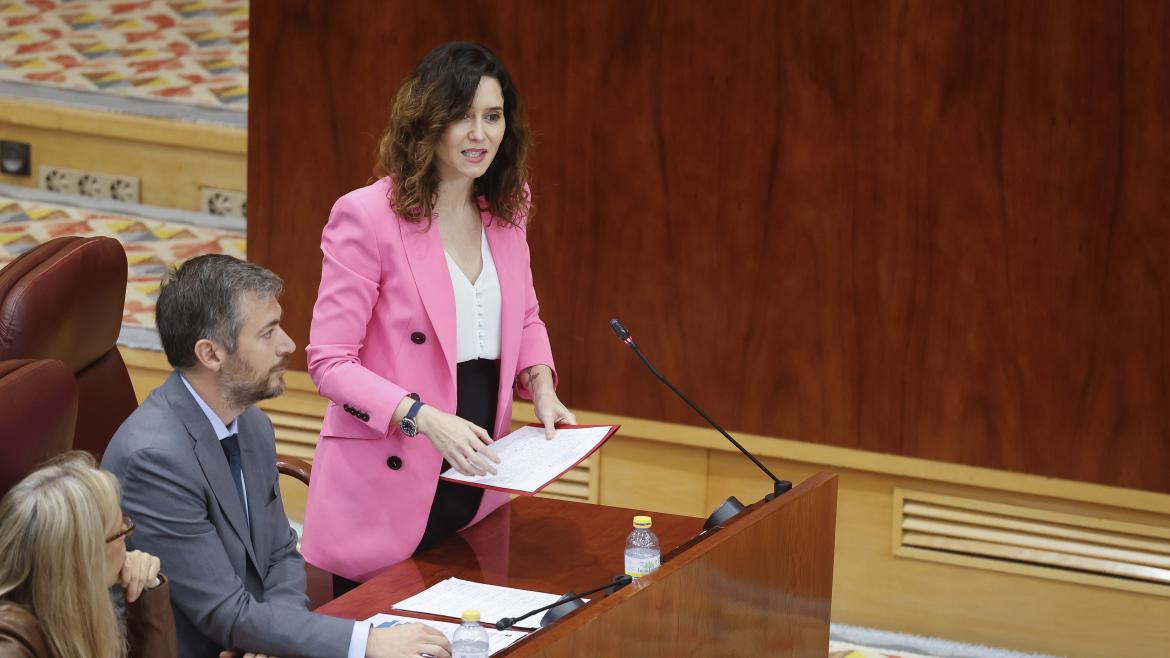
297 468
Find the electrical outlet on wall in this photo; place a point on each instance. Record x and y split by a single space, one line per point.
223 203
58 180
63 180
91 185
123 188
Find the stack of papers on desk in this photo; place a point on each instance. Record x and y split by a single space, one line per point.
452 596
529 462
497 640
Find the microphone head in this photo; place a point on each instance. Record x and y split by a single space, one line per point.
503 624
618 329
569 602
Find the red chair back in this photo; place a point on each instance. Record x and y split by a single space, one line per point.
64 300
37 417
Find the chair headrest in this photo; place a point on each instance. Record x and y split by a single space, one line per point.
64 300
38 415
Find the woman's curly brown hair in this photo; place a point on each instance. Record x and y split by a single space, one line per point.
439 92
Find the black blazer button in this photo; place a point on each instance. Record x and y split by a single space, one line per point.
394 463
418 338
365 417
348 409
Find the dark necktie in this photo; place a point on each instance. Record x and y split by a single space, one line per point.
231 450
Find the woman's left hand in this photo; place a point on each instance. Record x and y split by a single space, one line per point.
549 409
139 572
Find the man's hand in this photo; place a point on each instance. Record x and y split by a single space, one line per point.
407 641
139 571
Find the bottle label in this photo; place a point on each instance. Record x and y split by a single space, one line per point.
637 566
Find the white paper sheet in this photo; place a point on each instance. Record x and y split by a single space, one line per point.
452 596
528 461
497 640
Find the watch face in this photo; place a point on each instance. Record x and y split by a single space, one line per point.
409 427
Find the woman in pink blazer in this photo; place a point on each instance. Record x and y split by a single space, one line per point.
425 322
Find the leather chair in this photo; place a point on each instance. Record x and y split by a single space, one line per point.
37 416
64 300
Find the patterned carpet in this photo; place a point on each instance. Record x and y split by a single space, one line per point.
185 52
151 245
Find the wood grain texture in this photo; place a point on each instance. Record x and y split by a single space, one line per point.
760 586
533 543
928 229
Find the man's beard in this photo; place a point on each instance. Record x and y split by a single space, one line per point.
243 387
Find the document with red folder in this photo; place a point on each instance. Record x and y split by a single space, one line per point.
529 462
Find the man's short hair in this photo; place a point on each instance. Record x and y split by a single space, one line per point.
201 299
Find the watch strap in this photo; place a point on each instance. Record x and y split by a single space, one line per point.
414 409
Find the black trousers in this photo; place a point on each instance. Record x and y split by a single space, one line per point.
455 504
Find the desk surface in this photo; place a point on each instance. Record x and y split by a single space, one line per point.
538 544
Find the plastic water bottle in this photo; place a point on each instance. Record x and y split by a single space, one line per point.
642 553
470 639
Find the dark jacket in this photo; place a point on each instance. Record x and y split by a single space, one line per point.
150 629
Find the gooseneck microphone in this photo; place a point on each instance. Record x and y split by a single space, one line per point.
564 605
778 486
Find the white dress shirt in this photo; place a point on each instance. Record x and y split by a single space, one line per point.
477 308
361 630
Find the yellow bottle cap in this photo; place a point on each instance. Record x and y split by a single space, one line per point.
642 521
471 615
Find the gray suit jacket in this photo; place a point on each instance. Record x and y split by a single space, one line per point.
231 586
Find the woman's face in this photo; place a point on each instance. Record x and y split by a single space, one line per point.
115 551
469 145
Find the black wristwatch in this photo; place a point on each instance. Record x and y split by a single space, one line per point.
409 425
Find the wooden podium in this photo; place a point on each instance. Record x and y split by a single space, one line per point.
761 586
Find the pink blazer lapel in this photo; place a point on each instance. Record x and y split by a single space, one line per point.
428 265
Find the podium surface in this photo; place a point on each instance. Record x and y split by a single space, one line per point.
761 585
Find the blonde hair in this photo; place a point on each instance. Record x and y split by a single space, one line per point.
53 527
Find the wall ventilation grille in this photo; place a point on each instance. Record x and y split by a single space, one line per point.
1032 540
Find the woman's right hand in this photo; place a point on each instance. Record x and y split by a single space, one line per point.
463 444
139 572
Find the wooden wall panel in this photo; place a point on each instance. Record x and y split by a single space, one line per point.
929 229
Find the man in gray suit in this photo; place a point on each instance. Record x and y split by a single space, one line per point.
197 462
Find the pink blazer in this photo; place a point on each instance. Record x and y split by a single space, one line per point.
383 327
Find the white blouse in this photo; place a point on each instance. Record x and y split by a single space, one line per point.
477 308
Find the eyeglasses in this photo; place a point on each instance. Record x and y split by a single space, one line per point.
126 531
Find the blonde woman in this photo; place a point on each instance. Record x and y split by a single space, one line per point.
62 547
